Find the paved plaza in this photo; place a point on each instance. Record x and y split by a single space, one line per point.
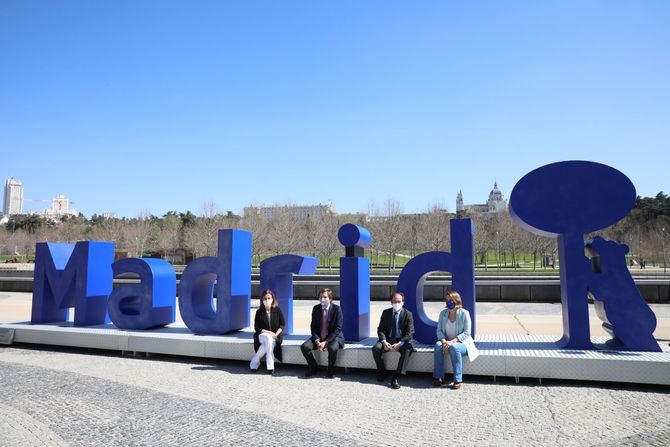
78 397
59 396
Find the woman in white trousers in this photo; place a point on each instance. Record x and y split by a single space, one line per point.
268 324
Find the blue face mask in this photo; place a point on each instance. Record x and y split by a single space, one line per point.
451 305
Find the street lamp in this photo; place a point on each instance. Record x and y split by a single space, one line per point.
663 232
498 248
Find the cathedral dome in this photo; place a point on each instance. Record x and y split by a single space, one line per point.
495 193
495 204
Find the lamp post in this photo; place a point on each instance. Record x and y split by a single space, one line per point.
663 232
498 248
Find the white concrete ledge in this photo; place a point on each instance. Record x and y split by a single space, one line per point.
500 355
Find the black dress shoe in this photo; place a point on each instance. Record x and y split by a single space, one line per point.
330 375
271 372
381 376
253 370
310 373
394 384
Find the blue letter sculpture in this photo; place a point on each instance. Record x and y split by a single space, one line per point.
231 270
277 275
68 275
460 262
148 304
355 282
567 200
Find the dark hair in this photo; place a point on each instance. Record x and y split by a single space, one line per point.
328 293
398 293
272 294
454 296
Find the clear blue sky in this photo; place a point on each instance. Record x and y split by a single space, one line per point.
131 105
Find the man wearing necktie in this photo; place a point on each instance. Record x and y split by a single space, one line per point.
326 327
395 331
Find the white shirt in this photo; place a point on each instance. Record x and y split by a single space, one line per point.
450 329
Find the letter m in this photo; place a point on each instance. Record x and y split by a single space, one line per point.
68 275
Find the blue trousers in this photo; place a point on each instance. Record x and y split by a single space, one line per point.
456 353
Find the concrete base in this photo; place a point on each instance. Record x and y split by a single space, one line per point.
500 355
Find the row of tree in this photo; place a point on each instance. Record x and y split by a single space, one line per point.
396 236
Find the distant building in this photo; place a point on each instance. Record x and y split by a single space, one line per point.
403 216
109 215
295 211
495 204
13 197
60 207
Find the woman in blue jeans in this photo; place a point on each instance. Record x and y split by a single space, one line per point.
453 339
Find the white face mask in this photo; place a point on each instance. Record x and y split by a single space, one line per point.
397 306
325 302
267 303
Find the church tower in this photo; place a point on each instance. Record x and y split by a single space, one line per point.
496 202
459 202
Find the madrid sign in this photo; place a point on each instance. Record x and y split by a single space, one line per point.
563 200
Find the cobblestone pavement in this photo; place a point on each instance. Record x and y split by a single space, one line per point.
82 397
45 407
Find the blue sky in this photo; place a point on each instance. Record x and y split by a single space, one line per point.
132 105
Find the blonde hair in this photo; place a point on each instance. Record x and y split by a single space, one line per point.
454 296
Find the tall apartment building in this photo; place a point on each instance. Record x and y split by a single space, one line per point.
13 197
60 207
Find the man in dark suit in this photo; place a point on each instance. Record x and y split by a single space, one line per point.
327 334
396 329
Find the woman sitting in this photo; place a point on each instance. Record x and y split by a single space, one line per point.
269 324
453 339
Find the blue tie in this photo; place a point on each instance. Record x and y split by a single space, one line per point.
394 331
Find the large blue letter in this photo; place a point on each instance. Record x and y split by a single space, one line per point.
148 304
231 270
567 200
78 276
355 282
460 262
277 275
